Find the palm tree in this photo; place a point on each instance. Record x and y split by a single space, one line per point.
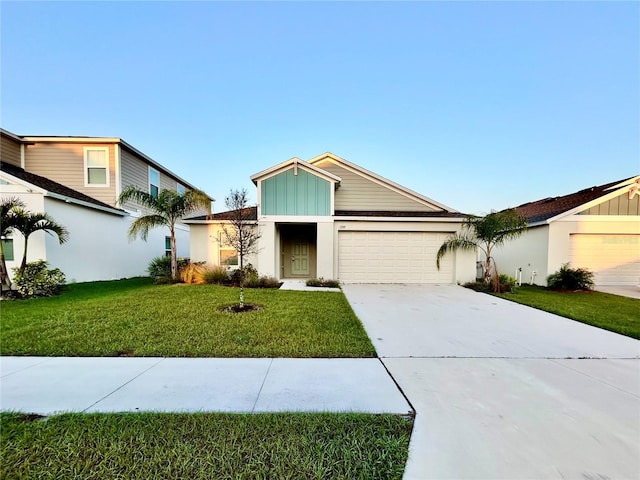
27 223
7 224
168 207
485 233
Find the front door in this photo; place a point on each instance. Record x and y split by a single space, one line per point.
300 258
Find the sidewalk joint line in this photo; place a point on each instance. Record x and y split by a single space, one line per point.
124 384
264 380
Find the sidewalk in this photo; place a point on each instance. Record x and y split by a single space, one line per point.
48 385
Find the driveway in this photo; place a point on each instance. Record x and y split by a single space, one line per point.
502 390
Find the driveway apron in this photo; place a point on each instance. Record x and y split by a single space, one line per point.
504 391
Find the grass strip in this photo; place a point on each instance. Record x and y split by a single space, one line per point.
204 446
611 312
136 318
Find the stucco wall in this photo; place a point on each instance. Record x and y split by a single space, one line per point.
529 252
205 245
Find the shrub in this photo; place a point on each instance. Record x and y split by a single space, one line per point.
159 268
217 275
478 287
321 282
193 273
254 281
570 279
38 281
245 274
506 284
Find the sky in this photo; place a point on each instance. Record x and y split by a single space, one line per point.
479 106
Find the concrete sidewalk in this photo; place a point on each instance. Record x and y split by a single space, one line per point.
48 385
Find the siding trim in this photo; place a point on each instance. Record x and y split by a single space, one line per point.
118 172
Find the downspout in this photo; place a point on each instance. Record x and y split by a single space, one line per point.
22 160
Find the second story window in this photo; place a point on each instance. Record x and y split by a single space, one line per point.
96 167
154 182
180 189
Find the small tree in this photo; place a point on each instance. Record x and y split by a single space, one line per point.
240 232
7 224
168 208
27 223
485 233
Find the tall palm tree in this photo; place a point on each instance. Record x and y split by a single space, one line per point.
485 233
27 223
7 224
167 208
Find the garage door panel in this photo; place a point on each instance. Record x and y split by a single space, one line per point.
393 257
614 259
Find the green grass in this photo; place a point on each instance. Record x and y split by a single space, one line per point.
204 446
134 317
611 312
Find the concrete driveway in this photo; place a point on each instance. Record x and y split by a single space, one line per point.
504 391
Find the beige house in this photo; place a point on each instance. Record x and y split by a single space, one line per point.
78 180
596 228
327 217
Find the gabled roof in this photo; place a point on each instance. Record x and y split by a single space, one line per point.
248 214
295 161
551 207
379 179
56 189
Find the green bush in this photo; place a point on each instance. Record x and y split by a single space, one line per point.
506 284
159 268
321 282
38 281
246 274
478 286
570 279
254 281
217 275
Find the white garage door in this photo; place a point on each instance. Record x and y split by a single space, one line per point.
615 259
393 257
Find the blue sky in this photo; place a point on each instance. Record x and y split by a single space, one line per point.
480 105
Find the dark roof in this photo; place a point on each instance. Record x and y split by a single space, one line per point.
248 214
391 213
550 207
52 186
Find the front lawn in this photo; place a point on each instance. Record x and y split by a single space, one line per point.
136 318
611 312
204 446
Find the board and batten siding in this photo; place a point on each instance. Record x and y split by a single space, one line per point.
620 205
359 193
64 163
290 194
10 151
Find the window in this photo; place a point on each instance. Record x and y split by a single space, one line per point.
154 182
228 254
96 167
180 189
7 248
167 246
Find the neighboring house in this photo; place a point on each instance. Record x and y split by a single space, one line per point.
330 218
77 180
596 228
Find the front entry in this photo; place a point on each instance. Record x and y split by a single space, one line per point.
298 250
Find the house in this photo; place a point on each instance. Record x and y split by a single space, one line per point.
327 217
77 180
596 228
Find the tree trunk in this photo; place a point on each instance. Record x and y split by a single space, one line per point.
174 255
23 265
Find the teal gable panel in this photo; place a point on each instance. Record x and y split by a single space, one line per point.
302 194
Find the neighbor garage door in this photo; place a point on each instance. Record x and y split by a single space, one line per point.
392 257
615 259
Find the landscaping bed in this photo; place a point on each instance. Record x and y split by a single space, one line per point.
610 312
204 446
136 318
